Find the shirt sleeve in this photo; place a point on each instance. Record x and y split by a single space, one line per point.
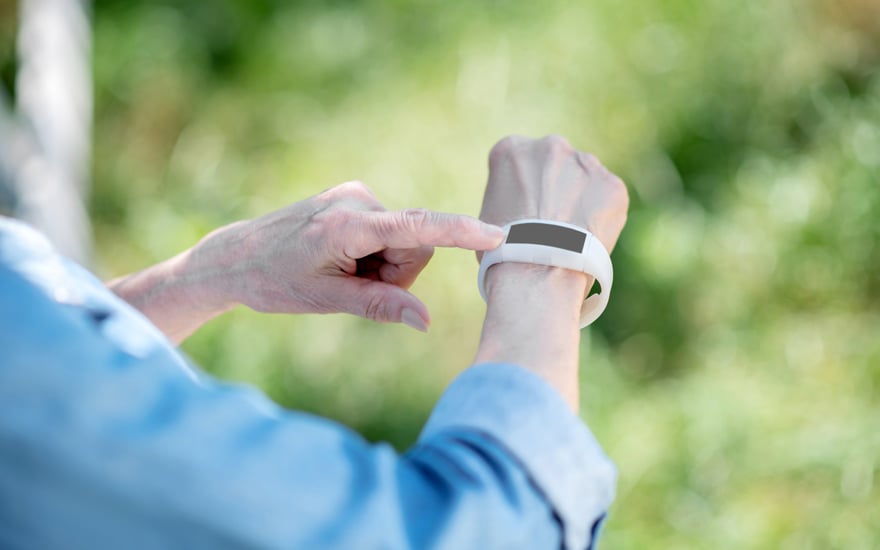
529 418
108 438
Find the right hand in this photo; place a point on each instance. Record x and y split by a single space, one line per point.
548 179
339 251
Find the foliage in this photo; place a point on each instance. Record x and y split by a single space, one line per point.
735 378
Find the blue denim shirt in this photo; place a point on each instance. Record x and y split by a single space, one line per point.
110 439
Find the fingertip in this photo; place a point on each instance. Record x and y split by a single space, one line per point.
491 236
412 319
475 234
493 231
414 313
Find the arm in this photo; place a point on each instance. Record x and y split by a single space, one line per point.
107 438
339 251
531 333
176 295
502 457
532 320
533 311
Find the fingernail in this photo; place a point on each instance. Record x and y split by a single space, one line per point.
413 320
493 231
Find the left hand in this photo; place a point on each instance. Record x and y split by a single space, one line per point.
339 251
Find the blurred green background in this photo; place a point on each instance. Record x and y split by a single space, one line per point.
734 379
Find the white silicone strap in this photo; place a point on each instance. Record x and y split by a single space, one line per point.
593 260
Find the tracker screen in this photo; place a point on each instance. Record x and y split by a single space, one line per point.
547 235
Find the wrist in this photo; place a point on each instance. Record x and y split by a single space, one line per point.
533 320
538 287
211 274
172 294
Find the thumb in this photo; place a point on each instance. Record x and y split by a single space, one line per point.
382 302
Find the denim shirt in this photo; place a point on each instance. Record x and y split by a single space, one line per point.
109 438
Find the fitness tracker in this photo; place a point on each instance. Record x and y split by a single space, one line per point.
558 244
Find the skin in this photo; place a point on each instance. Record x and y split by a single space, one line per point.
341 251
532 315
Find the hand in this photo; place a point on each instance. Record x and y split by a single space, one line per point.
339 251
533 311
548 179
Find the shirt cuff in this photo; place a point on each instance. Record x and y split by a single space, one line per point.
522 412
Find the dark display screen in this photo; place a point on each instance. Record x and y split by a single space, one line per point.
547 235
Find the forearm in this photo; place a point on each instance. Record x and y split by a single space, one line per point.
178 295
532 320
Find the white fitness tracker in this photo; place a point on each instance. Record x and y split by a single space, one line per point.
557 244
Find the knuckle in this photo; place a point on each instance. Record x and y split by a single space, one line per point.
506 146
338 192
624 195
356 188
465 224
462 221
327 226
590 159
414 218
332 218
556 142
327 196
619 190
375 308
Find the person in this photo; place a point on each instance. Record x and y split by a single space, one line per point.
110 439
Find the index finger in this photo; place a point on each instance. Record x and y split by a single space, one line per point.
417 227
